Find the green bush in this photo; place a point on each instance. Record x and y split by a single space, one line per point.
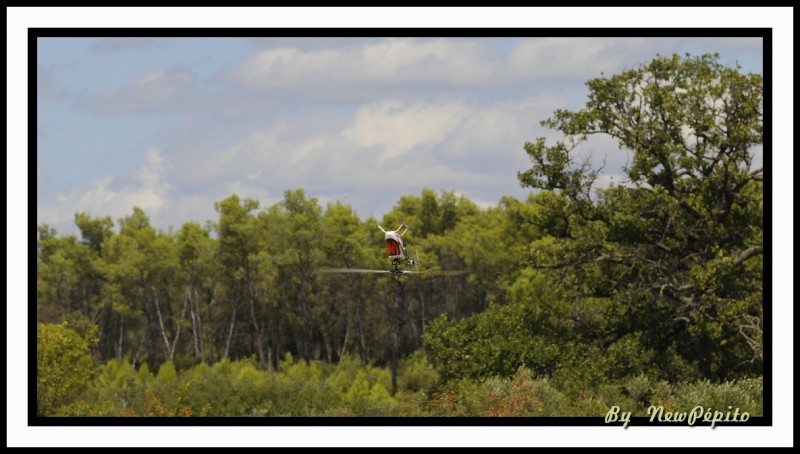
349 388
416 373
525 395
63 366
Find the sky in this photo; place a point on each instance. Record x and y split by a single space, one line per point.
173 125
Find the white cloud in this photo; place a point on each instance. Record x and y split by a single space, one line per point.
259 151
382 142
150 173
371 157
103 198
396 128
358 70
493 135
574 57
396 62
155 91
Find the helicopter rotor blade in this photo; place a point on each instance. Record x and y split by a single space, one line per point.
351 270
438 272
448 273
365 271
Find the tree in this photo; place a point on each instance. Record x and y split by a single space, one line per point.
69 284
94 231
239 240
498 341
676 250
295 228
345 241
196 251
142 294
57 276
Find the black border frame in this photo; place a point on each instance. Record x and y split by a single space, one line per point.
34 33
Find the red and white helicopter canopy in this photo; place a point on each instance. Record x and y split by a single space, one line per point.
397 254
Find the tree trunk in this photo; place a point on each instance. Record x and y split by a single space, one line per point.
195 343
258 335
423 320
343 350
161 323
306 334
139 349
230 333
178 329
393 313
362 342
200 320
119 342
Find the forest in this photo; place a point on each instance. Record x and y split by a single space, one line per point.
577 298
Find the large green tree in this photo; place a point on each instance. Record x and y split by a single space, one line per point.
143 309
196 251
239 243
677 248
294 227
661 274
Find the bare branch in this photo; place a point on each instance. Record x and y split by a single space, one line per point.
748 253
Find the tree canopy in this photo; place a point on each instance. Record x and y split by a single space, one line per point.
663 271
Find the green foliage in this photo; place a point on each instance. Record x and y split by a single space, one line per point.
746 394
63 366
660 279
677 251
94 231
430 214
502 339
249 283
524 395
417 374
239 388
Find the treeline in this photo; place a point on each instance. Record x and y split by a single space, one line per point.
249 284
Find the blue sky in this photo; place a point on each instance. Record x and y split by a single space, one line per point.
174 124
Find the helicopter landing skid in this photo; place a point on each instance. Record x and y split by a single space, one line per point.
396 267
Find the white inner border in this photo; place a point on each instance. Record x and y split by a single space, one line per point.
18 236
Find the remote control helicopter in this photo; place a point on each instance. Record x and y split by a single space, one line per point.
397 253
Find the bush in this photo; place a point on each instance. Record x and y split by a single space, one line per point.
63 366
746 394
525 395
416 373
349 388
